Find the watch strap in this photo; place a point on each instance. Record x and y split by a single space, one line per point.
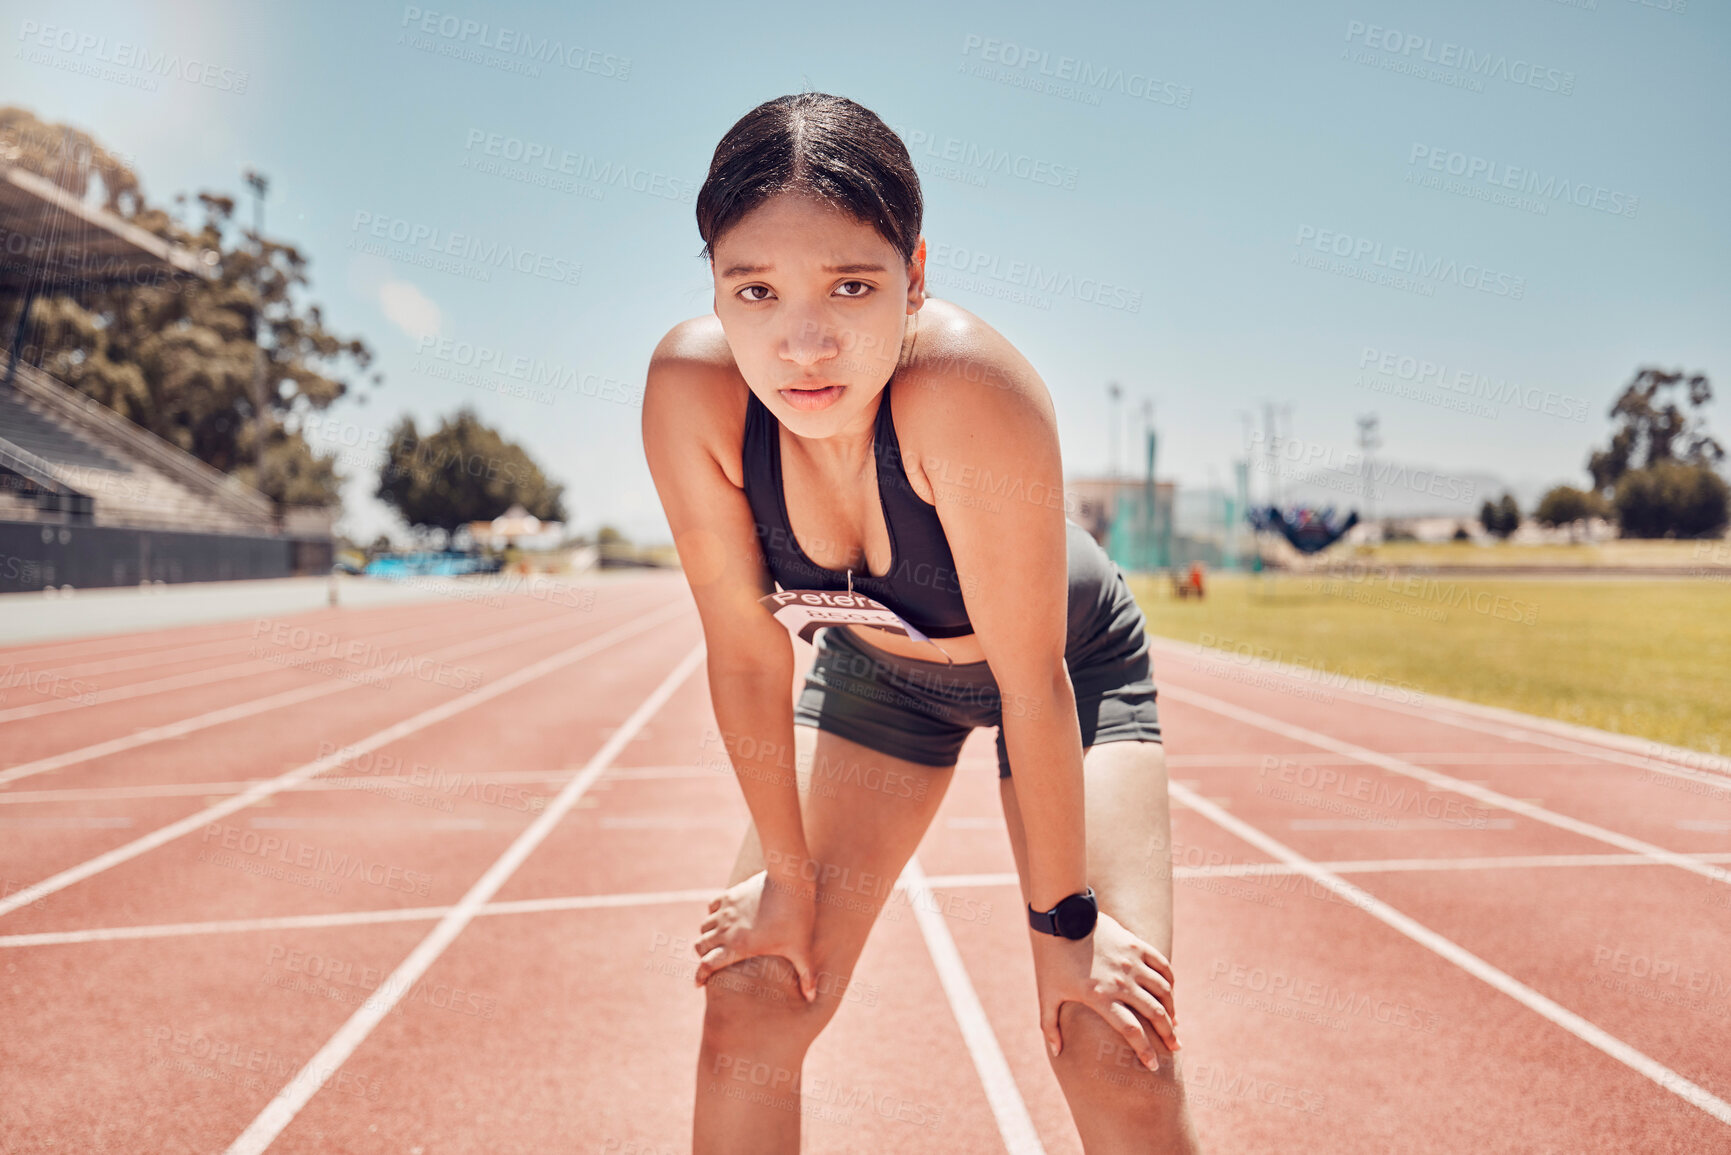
1046 921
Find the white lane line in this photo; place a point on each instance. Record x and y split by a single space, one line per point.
1659 758
372 742
373 822
247 709
1396 824
282 1109
1601 745
958 881
171 730
191 651
1394 865
673 822
703 894
65 822
648 772
150 641
1471 963
1014 1123
1256 761
190 678
143 689
1447 782
357 917
445 782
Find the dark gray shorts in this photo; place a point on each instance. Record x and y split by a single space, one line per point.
924 710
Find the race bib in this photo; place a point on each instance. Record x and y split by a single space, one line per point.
804 612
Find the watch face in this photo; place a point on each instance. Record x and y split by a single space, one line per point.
1075 916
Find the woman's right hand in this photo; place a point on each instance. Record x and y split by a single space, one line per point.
761 916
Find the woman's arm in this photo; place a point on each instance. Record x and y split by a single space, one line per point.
988 445
750 655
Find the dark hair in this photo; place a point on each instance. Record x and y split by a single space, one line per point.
818 145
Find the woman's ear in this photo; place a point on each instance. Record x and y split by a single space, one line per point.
917 275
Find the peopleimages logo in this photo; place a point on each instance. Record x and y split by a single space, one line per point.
1497 390
90 47
1478 169
1029 276
416 236
1457 58
1084 76
1408 263
583 167
974 163
515 42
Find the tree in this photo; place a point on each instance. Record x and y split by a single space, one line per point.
1511 514
1658 471
1502 518
1565 505
464 471
1672 500
183 360
1654 430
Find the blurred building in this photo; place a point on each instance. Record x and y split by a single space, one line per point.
1157 525
519 528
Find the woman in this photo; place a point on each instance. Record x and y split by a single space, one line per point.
778 453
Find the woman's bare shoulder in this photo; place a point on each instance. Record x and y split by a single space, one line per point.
965 381
956 349
695 393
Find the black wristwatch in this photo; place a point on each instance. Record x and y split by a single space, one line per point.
1072 918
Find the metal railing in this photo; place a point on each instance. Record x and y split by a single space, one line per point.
98 420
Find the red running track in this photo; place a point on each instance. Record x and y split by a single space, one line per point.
428 885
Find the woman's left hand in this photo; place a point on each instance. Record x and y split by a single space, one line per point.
1112 972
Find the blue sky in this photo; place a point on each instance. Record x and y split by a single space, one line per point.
1476 219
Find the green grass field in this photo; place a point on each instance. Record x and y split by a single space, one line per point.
1711 557
1650 658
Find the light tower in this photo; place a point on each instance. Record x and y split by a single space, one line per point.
257 182
1114 433
1368 441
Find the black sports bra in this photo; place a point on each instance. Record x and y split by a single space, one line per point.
921 585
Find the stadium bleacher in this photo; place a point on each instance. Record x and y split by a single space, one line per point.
87 498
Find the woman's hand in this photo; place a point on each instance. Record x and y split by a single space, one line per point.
761 916
1112 972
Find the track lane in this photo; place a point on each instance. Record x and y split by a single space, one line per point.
217 811
1376 1080
442 668
37 739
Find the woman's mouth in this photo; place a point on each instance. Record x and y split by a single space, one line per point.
821 397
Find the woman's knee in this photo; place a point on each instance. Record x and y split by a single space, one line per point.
1102 1065
756 1003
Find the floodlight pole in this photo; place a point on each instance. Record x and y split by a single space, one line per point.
258 184
1368 441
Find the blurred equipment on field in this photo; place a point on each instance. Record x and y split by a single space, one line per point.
1308 530
1190 583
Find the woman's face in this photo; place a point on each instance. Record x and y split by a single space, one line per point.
814 305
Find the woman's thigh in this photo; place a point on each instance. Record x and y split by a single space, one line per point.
1129 836
865 813
1117 1105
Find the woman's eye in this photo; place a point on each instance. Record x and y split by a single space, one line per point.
865 288
749 288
